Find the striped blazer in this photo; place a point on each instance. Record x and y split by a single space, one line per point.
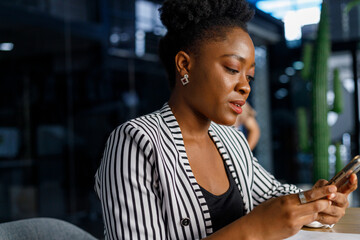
148 191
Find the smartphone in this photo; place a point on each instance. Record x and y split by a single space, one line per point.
342 177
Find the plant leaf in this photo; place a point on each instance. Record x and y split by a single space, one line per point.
351 4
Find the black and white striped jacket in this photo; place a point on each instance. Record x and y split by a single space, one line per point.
148 191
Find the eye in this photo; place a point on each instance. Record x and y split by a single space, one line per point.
250 78
231 71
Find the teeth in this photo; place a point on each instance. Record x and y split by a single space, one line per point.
237 105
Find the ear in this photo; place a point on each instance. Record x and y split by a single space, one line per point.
182 63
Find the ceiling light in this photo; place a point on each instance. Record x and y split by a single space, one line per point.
7 46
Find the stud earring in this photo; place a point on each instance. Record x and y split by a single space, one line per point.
185 79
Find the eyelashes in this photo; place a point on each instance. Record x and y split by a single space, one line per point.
233 72
251 78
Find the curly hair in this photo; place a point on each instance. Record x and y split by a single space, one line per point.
189 22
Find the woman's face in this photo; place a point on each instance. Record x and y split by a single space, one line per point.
219 77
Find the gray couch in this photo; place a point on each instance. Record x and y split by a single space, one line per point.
42 229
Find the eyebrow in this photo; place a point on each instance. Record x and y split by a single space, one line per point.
238 57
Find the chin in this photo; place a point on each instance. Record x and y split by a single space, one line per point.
229 121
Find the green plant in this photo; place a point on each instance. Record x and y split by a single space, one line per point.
320 127
307 60
351 5
338 164
315 60
338 103
303 131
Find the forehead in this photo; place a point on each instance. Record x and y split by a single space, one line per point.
234 42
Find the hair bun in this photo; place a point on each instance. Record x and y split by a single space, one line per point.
177 15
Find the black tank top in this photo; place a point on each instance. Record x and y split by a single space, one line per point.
225 208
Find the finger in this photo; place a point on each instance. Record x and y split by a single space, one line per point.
315 207
350 186
320 183
318 193
353 178
334 211
327 219
308 219
339 199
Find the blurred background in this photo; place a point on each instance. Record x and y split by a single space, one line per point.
73 70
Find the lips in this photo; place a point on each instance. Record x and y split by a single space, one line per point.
236 106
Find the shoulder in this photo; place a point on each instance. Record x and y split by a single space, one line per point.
142 130
143 124
151 124
151 120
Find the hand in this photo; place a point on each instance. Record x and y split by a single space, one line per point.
284 216
340 201
350 186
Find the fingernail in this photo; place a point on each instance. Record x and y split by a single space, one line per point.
332 196
332 189
353 180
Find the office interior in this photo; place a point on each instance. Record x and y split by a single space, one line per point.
73 70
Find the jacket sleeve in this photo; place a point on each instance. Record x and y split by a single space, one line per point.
126 183
265 186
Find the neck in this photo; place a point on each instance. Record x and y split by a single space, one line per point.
193 124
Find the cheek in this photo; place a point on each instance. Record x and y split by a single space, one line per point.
218 89
224 85
221 81
212 84
229 82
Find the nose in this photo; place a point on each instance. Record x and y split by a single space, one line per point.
243 87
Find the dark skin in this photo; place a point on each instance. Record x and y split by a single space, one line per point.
219 76
216 81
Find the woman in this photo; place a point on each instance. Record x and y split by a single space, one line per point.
180 172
